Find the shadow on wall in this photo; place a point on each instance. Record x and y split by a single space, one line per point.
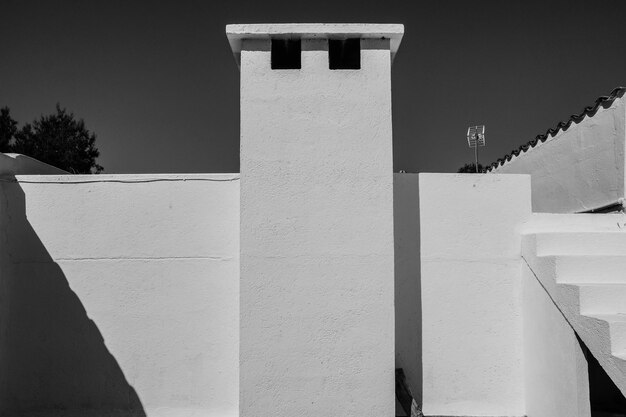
53 359
408 297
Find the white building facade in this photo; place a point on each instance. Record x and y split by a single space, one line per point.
299 285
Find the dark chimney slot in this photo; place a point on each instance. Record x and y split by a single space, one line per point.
286 54
344 54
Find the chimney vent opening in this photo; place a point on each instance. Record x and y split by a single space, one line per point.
344 54
286 54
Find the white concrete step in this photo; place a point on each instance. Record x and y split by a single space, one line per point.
591 269
582 243
619 359
617 326
582 265
548 222
602 299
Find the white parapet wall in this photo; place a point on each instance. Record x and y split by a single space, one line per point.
17 164
317 249
472 328
579 169
119 295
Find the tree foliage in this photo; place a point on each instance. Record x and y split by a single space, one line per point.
59 140
8 129
471 168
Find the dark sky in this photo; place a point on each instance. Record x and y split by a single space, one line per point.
157 82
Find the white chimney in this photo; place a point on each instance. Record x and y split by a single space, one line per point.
317 264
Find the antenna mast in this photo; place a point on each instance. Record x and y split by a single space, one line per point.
476 138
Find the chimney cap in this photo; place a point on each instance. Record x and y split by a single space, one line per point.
236 33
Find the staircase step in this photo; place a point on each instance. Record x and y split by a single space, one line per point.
619 359
591 269
582 243
602 298
617 326
548 222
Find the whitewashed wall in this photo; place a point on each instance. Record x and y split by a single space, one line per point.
579 169
555 368
472 337
317 261
18 164
120 293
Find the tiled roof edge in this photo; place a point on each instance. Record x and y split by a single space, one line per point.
602 101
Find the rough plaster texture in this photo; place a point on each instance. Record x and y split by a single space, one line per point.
408 300
317 259
555 368
18 164
579 169
119 295
472 338
585 279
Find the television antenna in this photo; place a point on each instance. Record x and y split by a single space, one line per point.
476 138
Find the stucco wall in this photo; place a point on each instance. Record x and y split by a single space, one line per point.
579 169
472 339
317 261
408 302
120 292
555 368
18 164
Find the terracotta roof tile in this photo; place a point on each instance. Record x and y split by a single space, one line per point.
602 101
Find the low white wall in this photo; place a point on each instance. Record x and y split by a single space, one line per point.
120 292
555 368
579 169
408 302
472 344
17 164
